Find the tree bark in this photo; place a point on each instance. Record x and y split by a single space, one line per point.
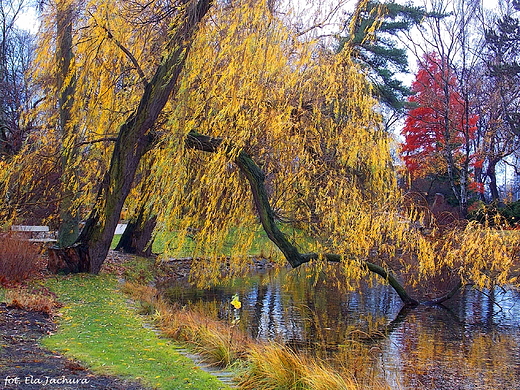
66 85
137 237
492 175
133 141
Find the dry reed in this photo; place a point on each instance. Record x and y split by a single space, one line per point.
263 366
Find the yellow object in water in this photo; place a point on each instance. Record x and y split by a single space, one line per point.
236 302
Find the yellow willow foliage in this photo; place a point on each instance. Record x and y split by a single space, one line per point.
106 88
482 256
304 114
307 118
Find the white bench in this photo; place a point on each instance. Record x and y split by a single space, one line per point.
34 233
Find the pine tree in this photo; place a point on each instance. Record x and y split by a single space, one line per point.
373 40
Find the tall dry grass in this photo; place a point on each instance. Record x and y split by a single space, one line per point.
277 367
261 366
41 301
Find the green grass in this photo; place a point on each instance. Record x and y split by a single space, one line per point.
115 241
261 246
98 328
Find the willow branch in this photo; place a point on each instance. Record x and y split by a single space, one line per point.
95 141
447 296
127 52
255 176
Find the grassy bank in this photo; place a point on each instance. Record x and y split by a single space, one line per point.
97 327
262 366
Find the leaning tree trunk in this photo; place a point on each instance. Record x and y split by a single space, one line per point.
134 139
66 85
137 237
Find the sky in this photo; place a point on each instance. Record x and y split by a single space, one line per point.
28 20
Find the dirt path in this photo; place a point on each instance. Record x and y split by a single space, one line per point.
25 365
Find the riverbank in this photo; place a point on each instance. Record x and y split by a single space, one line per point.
95 340
106 328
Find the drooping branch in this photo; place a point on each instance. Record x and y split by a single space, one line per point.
127 52
256 177
447 296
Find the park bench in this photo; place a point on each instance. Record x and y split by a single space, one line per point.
34 233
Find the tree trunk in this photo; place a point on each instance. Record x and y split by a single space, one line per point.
464 179
68 230
479 179
493 187
133 141
137 237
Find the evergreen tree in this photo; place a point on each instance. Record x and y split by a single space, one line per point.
373 40
503 42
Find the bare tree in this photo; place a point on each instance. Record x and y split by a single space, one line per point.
16 51
450 32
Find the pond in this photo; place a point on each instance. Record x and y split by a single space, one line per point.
473 342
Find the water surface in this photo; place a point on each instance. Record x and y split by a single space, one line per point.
473 342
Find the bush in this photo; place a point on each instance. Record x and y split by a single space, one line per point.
511 212
493 214
18 260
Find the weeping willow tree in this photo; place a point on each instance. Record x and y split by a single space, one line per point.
115 102
290 137
247 124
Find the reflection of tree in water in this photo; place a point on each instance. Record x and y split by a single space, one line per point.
274 317
472 342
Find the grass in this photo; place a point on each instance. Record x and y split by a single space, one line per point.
261 245
115 241
216 342
98 328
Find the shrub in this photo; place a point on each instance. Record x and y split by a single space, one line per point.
19 260
493 214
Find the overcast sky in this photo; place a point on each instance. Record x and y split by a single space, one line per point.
28 20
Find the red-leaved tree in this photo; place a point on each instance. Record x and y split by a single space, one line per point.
438 128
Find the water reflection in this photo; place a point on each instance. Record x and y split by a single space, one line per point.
471 343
